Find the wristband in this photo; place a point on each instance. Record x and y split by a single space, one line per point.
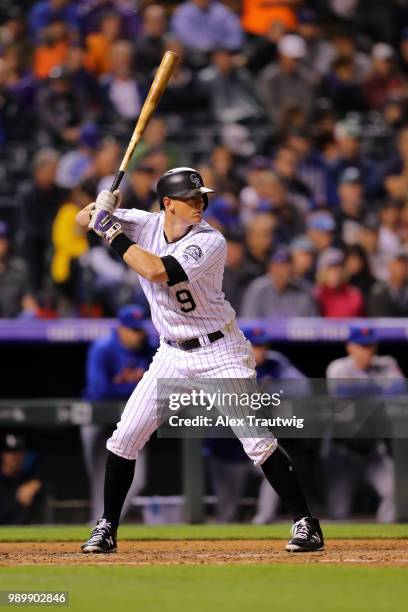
121 243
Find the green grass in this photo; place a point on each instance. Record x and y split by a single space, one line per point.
282 588
69 533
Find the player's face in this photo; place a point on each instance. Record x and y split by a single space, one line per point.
260 351
361 354
131 338
189 210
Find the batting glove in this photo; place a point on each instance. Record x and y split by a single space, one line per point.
104 225
108 201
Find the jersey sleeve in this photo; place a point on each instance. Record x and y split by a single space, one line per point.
201 254
132 221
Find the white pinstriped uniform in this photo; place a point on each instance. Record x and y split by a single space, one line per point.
186 310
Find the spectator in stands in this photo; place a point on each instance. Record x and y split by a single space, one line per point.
20 486
286 85
352 208
225 175
15 298
70 243
122 92
257 16
139 192
396 178
259 238
234 281
156 137
320 230
250 196
277 294
303 258
385 81
357 268
390 218
311 168
224 212
263 50
150 43
157 160
40 202
98 45
76 164
18 88
115 365
184 95
83 81
13 30
343 46
403 224
362 377
92 11
230 89
390 298
205 25
317 47
47 11
60 110
347 154
285 165
341 87
334 295
275 199
52 50
369 239
105 161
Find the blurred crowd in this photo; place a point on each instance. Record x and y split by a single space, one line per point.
293 111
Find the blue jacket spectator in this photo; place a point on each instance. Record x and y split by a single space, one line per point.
348 136
205 25
117 363
44 12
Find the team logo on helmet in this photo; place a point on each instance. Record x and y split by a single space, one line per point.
195 180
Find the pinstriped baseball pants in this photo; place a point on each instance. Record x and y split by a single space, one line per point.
230 357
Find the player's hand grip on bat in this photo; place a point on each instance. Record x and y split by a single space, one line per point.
104 225
108 201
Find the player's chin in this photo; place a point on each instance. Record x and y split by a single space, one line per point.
197 217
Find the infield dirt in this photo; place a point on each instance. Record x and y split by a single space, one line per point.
392 553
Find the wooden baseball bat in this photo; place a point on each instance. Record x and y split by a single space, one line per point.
157 88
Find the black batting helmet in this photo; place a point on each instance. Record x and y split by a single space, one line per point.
182 182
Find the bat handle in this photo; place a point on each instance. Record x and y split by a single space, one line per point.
117 181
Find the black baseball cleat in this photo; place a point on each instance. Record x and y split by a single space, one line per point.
102 540
307 536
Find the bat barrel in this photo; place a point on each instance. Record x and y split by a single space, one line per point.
157 88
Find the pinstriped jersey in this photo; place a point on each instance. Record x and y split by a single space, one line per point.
193 307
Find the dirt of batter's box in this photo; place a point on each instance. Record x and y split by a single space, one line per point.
178 552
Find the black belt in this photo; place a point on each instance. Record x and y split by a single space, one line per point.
194 343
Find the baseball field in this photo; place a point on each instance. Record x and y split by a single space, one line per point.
235 567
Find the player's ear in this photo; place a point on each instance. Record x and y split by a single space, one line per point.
168 203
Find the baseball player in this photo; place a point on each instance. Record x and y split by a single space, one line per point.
369 379
115 364
180 259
